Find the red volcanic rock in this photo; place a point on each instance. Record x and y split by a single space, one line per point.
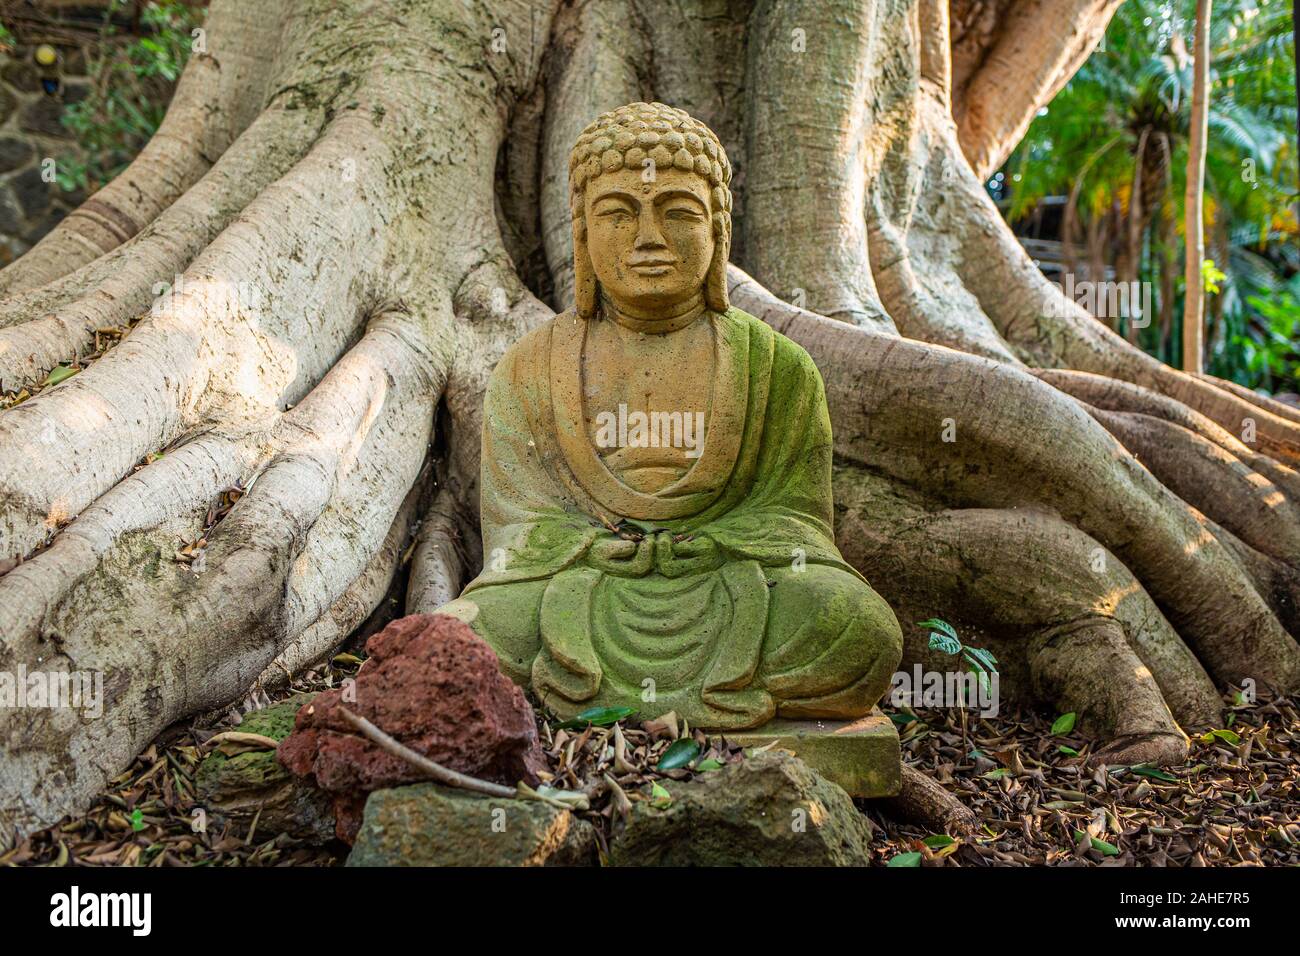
432 683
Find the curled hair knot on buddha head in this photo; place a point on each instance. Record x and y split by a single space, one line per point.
652 136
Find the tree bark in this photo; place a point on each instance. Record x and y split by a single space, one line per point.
380 207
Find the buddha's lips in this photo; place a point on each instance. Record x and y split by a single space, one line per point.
653 267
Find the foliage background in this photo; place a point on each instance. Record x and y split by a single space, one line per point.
1123 119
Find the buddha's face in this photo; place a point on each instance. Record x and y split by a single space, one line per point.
650 242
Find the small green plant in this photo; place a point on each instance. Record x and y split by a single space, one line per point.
1273 354
131 84
943 637
1211 276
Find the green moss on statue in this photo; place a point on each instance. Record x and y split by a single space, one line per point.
689 565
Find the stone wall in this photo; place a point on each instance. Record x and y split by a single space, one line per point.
32 98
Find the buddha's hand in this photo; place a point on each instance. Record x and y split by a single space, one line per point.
679 555
621 556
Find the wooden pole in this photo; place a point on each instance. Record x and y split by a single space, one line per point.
1194 301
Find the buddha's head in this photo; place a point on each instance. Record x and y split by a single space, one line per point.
649 189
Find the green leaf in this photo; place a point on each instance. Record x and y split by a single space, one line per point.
1101 846
597 717
981 658
945 639
938 624
937 841
1063 724
1146 770
1068 751
997 774
660 798
905 859
706 765
1227 736
944 643
678 755
60 373
903 719
137 820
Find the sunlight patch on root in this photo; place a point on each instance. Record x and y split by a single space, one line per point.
1212 481
1116 395
221 348
110 291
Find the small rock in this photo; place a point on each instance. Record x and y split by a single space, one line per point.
21 75
431 825
33 193
236 789
44 115
769 810
74 91
12 220
433 684
14 153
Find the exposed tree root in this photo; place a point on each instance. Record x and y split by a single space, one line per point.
219 94
924 802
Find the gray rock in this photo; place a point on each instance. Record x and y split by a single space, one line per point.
8 102
22 75
14 153
770 810
43 115
32 192
425 824
74 91
12 220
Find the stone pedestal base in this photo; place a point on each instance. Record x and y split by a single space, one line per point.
862 756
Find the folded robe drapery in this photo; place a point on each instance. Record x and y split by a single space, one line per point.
733 566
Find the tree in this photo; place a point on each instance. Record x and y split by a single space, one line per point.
1193 283
365 203
1115 142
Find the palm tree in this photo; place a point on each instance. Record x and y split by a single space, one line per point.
1115 143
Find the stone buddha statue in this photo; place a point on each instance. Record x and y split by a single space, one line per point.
656 486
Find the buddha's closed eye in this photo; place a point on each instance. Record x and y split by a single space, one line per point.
684 214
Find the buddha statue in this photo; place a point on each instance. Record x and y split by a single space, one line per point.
656 474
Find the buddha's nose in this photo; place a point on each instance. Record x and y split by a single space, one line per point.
648 235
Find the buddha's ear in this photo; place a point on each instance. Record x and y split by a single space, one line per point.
584 276
715 280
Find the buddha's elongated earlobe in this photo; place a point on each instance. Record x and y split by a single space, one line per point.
715 280
584 276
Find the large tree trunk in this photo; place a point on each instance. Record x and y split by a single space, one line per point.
365 203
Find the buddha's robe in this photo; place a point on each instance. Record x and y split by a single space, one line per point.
731 602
